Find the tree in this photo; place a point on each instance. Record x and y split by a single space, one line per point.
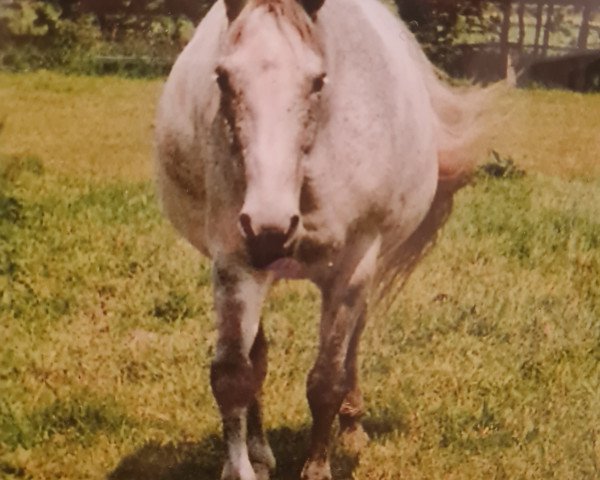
436 23
117 18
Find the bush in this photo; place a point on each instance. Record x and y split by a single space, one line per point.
439 23
91 38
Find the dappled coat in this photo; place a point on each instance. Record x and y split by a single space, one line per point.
305 139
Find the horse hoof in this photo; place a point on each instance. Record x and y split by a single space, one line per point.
262 471
230 473
354 439
316 470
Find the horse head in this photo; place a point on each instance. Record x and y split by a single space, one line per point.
271 77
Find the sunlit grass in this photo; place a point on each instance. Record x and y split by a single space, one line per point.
487 366
102 127
553 132
83 126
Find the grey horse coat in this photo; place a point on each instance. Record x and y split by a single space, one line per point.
305 139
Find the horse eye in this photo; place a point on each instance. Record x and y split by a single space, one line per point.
223 79
319 83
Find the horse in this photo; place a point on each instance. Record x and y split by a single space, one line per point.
305 139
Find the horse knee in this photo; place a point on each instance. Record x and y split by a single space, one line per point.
258 355
233 382
325 389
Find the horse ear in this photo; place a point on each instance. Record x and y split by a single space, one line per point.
233 8
312 6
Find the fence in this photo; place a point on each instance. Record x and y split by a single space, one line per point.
556 42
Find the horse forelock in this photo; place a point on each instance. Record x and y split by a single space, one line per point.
284 11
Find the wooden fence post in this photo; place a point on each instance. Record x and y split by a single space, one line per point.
521 13
504 36
584 31
538 26
548 27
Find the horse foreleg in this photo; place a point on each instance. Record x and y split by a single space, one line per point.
327 387
334 377
352 435
239 366
259 450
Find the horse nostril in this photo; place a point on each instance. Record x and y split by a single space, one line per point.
246 225
294 222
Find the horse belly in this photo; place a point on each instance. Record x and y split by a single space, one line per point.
184 145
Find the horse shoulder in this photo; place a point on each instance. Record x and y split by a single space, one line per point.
182 130
379 129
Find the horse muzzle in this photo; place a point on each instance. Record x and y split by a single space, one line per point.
270 244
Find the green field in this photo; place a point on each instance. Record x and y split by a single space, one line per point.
487 366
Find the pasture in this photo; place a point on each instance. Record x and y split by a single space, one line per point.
486 366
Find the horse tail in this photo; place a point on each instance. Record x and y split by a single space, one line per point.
465 120
464 117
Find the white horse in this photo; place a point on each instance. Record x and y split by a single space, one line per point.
305 139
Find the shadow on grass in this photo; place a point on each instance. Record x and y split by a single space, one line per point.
204 459
378 427
172 461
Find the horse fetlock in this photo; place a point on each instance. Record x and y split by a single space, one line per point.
260 453
316 470
353 406
262 471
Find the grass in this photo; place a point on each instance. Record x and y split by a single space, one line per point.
57 117
486 367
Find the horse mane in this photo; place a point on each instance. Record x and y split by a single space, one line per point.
290 12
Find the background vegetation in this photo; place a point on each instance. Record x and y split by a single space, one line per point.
486 367
132 37
143 37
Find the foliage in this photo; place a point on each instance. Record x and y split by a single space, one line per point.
34 35
500 167
118 16
487 366
139 37
143 37
437 23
